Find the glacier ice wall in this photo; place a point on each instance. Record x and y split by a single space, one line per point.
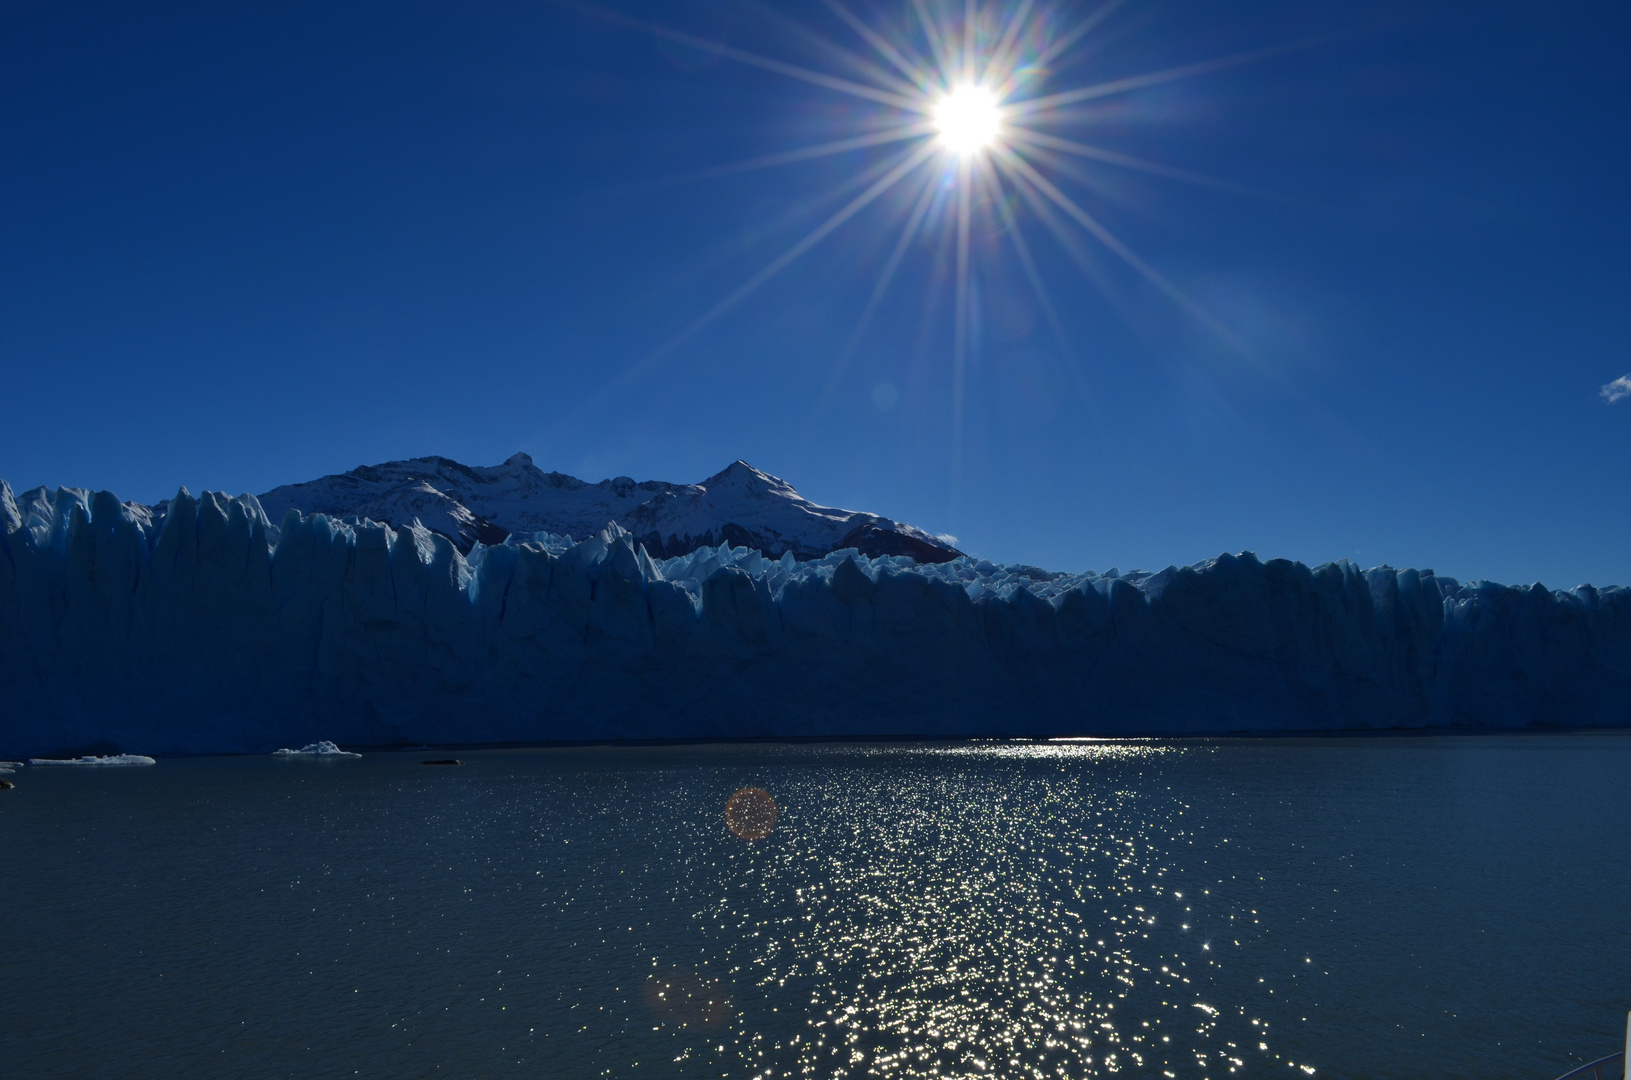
209 629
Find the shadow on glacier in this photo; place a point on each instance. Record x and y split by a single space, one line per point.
207 629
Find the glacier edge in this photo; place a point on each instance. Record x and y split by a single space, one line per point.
208 628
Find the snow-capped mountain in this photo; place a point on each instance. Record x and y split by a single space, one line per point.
467 504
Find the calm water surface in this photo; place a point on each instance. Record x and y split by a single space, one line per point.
1344 907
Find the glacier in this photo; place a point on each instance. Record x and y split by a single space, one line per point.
203 627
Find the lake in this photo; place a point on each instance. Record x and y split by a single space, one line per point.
1389 906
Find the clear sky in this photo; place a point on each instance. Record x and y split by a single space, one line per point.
1376 279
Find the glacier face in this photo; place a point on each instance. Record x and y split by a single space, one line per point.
205 628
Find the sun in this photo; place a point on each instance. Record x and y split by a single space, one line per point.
963 137
967 119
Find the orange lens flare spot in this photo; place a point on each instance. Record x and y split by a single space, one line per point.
685 999
751 813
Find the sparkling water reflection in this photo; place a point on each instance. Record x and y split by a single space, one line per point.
1341 907
979 920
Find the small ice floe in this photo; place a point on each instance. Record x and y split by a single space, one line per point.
316 749
110 759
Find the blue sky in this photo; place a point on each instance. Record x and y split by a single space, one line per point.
249 244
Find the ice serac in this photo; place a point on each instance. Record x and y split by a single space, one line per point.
208 628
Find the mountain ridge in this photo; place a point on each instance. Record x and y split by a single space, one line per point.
472 504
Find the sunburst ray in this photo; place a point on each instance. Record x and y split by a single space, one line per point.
857 61
1012 159
937 41
915 130
959 362
913 159
914 222
1022 250
971 38
1027 137
1152 78
919 77
1002 56
792 71
1057 47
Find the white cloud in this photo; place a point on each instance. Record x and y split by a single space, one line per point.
1616 390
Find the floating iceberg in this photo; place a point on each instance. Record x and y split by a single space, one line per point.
109 759
316 749
207 629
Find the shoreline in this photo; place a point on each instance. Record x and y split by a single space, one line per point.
1261 735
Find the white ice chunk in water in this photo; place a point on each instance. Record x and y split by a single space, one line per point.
316 749
110 759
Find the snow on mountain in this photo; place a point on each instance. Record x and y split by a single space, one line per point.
469 504
753 509
515 497
420 501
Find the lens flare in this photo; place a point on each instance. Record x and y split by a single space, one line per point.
686 999
751 813
967 119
